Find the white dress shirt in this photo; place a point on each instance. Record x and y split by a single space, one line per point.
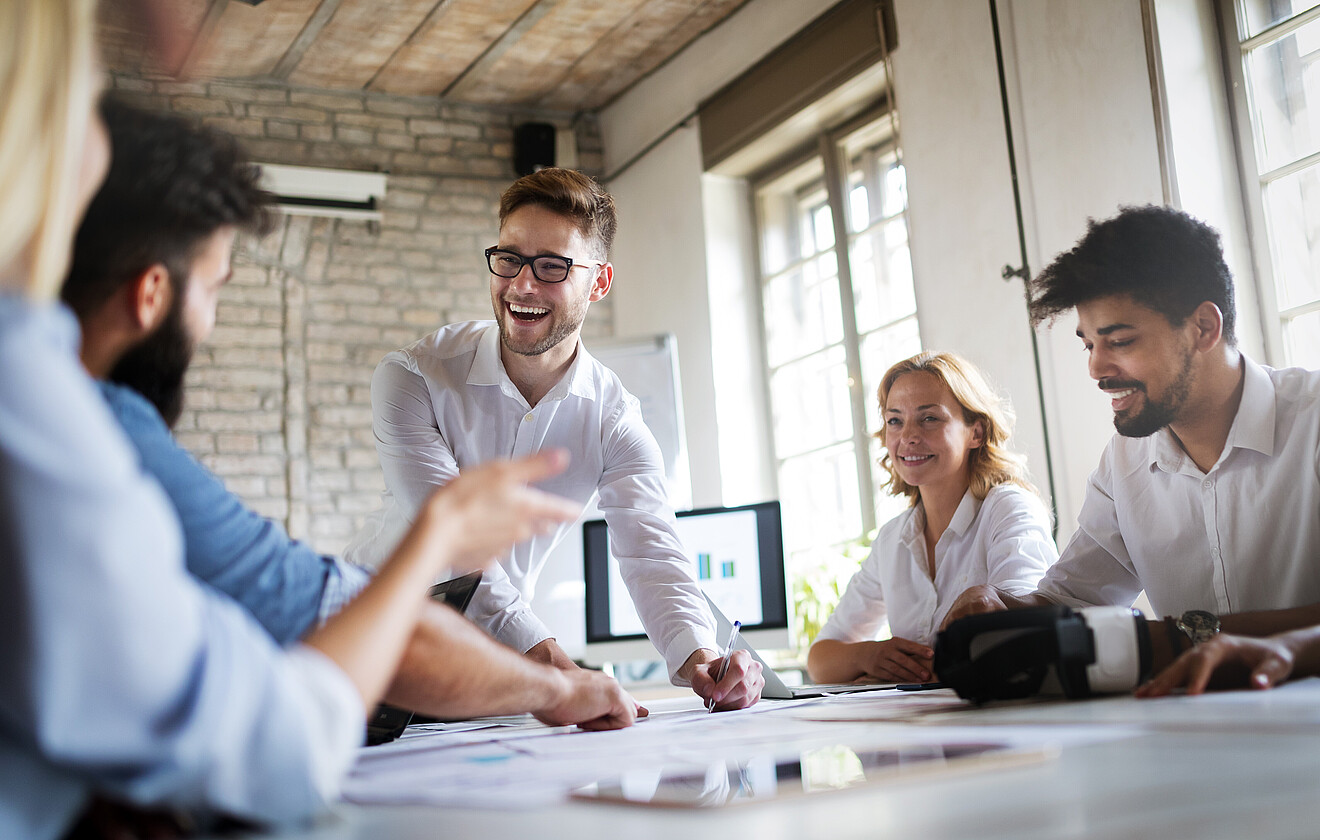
120 672
1003 540
1244 536
445 403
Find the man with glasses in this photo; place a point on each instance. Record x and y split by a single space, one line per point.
475 391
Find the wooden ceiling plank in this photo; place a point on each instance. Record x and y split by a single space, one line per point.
475 71
125 47
357 41
616 55
428 24
250 41
545 52
202 38
710 15
440 54
309 33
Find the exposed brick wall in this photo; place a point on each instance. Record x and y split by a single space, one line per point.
279 399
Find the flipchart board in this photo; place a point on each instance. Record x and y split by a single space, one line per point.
648 368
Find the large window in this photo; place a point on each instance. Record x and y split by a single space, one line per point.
839 309
1278 42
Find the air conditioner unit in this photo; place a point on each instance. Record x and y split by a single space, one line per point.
313 191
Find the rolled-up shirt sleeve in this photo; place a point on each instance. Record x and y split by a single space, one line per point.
657 572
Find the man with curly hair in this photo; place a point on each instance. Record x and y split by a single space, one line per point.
1208 498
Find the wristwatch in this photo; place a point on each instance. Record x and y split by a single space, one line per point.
1198 625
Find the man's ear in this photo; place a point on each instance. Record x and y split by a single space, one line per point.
151 294
1207 326
600 287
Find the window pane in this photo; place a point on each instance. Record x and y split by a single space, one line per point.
894 190
810 403
820 498
1284 80
802 310
785 209
1302 336
1260 15
880 350
882 275
1292 213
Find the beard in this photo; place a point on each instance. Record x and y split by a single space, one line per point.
561 327
156 367
1155 414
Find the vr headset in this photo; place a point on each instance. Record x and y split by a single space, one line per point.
1044 650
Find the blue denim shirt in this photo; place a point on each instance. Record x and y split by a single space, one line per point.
286 585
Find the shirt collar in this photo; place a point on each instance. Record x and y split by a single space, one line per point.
488 369
963 518
1253 425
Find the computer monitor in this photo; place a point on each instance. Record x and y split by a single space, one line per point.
737 554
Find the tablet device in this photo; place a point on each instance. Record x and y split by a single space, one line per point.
388 722
457 592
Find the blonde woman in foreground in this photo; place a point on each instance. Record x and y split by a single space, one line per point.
974 519
120 675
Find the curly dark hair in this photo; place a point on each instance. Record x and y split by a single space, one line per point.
1165 259
171 185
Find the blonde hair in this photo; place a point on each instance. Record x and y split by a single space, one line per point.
990 464
48 84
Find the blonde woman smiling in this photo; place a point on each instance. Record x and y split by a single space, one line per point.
975 518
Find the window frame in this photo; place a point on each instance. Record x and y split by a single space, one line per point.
827 145
1236 47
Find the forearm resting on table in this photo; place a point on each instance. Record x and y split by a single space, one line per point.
451 669
1270 622
833 661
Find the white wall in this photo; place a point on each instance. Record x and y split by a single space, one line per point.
660 285
960 203
660 253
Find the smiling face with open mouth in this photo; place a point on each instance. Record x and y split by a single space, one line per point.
1143 363
928 438
535 317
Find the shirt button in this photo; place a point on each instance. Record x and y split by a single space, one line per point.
1206 484
527 418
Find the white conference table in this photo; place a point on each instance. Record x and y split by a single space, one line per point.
1245 765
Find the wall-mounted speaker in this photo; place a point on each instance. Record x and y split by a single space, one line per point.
533 147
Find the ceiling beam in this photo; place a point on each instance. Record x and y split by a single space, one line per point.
294 55
477 70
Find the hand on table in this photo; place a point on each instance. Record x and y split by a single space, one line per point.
897 660
1234 660
592 700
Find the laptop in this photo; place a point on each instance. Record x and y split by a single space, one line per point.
388 722
775 688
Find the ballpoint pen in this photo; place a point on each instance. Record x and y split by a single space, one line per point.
724 665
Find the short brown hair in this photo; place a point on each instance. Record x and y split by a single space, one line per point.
569 193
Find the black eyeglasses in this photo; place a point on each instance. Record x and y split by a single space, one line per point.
548 268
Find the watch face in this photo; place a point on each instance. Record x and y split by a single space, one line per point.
1199 625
